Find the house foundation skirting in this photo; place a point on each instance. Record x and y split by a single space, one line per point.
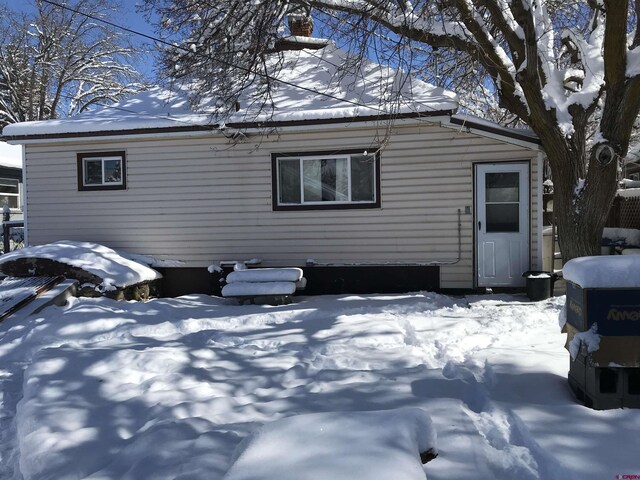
358 279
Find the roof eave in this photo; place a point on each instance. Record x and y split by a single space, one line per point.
486 129
17 139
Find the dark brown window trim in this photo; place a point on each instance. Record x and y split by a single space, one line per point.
82 156
333 206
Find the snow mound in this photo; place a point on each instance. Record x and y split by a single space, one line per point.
590 339
378 445
265 275
629 192
250 289
152 261
103 262
607 271
621 236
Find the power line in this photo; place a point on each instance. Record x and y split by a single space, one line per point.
191 52
222 61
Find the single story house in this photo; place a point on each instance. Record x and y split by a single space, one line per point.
365 178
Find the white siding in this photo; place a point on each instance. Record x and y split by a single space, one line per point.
202 200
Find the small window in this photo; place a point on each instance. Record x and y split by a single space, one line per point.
10 193
101 171
326 181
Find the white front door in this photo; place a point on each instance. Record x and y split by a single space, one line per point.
502 223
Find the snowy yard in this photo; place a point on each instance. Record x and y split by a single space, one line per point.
167 389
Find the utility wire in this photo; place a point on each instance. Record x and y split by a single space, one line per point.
224 62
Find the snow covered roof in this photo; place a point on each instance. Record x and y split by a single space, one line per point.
10 155
313 85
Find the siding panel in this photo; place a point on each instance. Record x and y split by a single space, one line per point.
201 200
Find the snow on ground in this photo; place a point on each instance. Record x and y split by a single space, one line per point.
621 236
381 445
169 388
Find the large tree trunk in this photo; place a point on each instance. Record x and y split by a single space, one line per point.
581 208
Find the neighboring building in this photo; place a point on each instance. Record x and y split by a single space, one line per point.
364 195
11 178
631 169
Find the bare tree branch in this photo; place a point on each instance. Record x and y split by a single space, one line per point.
59 62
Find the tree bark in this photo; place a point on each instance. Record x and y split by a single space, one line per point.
581 212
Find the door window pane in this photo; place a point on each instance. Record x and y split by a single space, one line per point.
502 200
502 187
503 217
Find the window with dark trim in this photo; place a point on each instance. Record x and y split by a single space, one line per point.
102 171
326 180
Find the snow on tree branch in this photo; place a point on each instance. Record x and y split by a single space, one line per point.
57 62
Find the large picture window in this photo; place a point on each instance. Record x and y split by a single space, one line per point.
101 171
318 180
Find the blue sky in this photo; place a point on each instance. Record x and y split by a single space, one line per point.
136 21
130 18
133 19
